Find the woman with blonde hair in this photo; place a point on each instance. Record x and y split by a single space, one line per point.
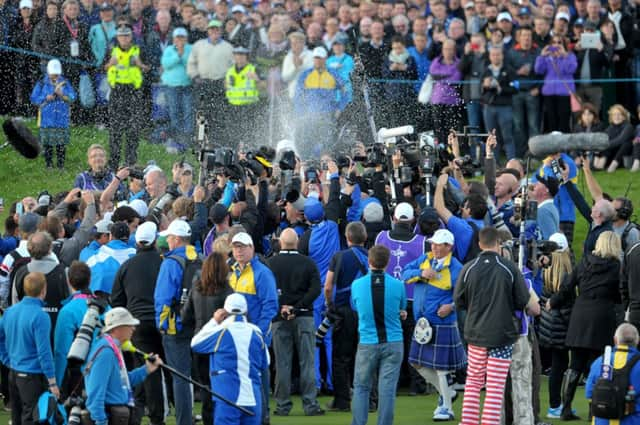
554 323
593 319
621 134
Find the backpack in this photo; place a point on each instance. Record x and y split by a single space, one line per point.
49 411
474 247
623 238
608 398
191 272
18 262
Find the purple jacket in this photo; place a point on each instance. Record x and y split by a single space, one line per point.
555 69
444 93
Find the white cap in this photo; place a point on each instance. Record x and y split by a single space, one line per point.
239 8
180 32
563 15
140 207
118 316
403 211
242 238
236 304
102 226
26 4
54 67
442 236
502 16
320 52
178 228
146 233
469 4
561 240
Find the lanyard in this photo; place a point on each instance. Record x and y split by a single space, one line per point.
124 376
74 32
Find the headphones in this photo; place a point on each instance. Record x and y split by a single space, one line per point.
626 209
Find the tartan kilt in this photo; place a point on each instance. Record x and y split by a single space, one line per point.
443 352
54 136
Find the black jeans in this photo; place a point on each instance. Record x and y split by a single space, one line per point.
345 345
152 392
204 377
125 123
559 363
25 389
557 113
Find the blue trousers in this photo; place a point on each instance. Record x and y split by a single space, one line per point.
526 119
229 415
180 103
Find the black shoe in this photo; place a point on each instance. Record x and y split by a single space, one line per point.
331 407
373 407
278 412
316 411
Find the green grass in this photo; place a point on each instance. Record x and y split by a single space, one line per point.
20 177
409 411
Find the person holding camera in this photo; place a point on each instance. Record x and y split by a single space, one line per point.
133 288
558 67
547 216
69 321
25 347
108 384
298 283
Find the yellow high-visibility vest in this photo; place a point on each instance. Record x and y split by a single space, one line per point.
240 89
124 72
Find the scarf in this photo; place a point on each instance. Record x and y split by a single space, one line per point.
401 58
124 375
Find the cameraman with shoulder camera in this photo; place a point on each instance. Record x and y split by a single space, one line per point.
298 283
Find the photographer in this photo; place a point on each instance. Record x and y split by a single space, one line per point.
69 320
298 283
107 381
97 177
72 246
465 228
133 288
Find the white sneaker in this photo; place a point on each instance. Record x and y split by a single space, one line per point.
443 414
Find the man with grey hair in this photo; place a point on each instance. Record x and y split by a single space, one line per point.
44 261
626 341
601 217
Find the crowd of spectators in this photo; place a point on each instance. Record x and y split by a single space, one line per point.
517 66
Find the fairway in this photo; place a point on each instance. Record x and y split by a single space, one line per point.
409 411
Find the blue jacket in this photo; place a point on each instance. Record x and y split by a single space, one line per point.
25 338
106 262
68 322
7 245
168 288
100 37
563 202
258 285
422 64
343 66
380 300
238 357
318 92
619 358
463 234
174 66
53 113
103 382
428 296
89 251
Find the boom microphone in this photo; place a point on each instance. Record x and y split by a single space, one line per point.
129 347
547 144
21 138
